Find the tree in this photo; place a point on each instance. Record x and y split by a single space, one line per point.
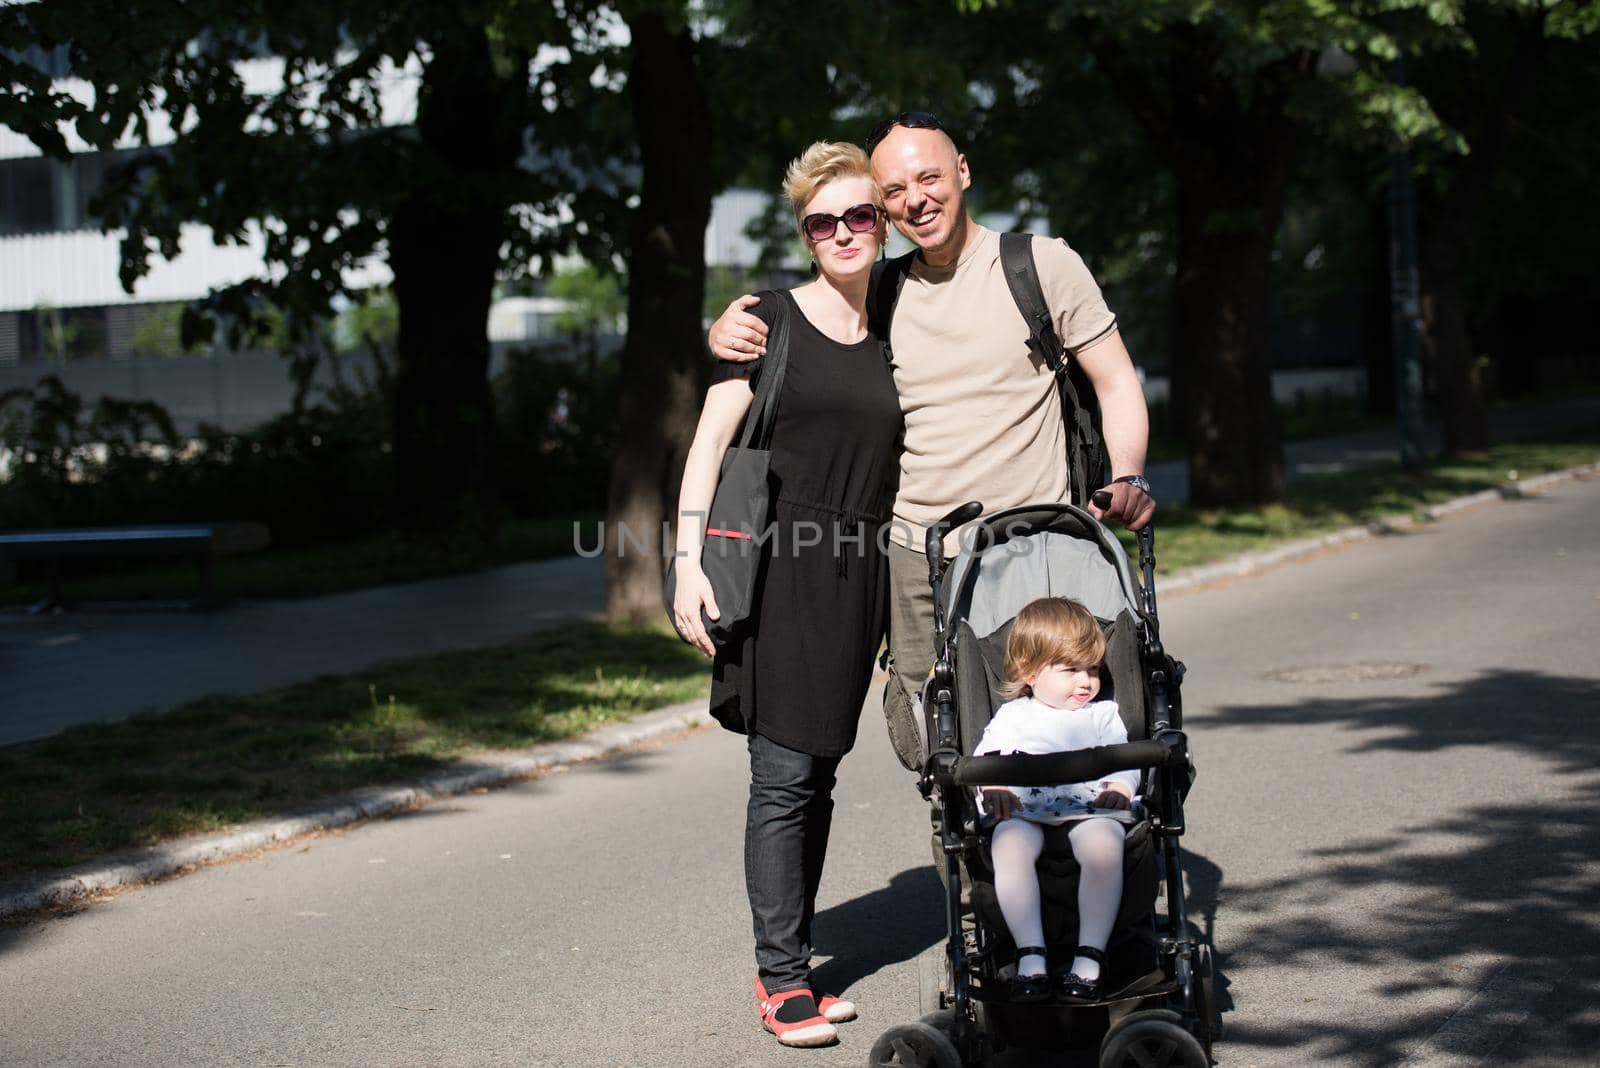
664 354
317 165
1512 84
1209 107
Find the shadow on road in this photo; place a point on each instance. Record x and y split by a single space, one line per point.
892 924
1203 889
15 933
1510 884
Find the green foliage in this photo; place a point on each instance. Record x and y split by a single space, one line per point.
1079 111
317 165
723 286
595 298
64 463
372 321
61 456
556 425
60 335
124 462
159 332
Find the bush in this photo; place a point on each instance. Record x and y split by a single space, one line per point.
317 473
556 426
321 472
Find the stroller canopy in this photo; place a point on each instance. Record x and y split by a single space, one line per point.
1032 551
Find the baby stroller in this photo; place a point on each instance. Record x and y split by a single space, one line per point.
1156 1005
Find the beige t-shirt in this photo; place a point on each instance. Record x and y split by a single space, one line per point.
982 415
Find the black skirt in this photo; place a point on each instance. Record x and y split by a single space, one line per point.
800 672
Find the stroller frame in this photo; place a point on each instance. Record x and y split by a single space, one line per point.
1181 1001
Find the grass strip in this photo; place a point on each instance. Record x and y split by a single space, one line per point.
100 788
1319 504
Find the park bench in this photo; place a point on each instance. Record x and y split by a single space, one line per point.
201 542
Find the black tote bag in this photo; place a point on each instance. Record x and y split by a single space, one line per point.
741 509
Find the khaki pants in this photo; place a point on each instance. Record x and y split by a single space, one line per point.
910 651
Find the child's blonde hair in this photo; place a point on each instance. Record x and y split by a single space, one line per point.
821 163
1051 630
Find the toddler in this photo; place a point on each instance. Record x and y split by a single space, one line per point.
1052 669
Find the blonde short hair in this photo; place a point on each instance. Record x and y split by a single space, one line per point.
1051 630
824 162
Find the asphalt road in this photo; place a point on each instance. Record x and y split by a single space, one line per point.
1395 845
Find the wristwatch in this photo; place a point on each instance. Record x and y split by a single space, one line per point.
1138 482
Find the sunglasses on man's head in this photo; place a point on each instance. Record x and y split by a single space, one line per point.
820 226
916 120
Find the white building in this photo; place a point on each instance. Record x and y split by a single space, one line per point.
63 309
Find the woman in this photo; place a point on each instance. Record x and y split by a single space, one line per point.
795 682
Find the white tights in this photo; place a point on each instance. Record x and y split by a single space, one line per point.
1097 845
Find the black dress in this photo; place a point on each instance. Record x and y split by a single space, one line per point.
798 676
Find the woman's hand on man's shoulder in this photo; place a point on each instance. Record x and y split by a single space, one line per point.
737 335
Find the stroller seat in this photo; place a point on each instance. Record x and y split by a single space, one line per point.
1131 953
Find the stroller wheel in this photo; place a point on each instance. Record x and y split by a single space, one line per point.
913 1045
1151 1041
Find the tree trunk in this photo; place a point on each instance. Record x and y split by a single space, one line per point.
664 356
444 249
1463 409
1377 315
1232 176
1498 81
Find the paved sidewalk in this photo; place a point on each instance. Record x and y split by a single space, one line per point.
103 666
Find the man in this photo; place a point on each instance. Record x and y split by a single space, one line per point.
982 415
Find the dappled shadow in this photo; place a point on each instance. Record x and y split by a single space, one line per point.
1552 717
1497 883
891 924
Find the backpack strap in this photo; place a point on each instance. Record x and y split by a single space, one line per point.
1080 410
888 278
1022 278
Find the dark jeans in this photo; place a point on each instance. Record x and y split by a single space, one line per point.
785 843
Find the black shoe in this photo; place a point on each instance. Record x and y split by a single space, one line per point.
1029 988
1076 988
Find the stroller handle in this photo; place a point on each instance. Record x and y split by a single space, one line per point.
1077 765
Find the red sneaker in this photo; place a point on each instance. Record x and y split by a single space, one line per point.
837 1010
801 1023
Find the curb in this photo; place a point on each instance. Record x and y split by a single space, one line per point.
109 873
1253 563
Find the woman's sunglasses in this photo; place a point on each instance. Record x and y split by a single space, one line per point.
858 220
916 120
